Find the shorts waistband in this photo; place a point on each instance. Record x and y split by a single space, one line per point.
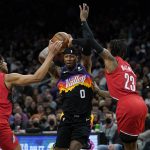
76 115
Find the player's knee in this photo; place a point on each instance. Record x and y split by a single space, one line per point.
127 138
18 147
75 145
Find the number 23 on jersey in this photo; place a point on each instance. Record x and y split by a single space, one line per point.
129 82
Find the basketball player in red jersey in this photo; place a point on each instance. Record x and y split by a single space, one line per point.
8 141
121 81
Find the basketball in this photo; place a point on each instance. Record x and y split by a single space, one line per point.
61 36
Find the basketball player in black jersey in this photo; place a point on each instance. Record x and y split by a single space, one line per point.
76 88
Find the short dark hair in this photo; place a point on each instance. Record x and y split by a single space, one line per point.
70 50
118 47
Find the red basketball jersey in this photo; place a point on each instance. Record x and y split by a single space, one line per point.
5 104
122 81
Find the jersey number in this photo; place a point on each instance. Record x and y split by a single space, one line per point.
130 83
82 93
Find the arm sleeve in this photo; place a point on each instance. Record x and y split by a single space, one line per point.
89 43
86 33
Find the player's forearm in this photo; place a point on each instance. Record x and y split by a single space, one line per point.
52 67
42 71
88 34
86 31
103 93
89 43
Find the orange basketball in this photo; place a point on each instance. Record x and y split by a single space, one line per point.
61 36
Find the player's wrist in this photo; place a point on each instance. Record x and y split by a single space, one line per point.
51 54
83 21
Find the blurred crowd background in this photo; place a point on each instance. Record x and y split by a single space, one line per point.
25 29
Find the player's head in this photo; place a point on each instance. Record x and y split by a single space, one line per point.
3 65
70 57
118 47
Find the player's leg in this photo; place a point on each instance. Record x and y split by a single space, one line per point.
80 134
131 114
18 147
129 141
75 145
8 141
63 135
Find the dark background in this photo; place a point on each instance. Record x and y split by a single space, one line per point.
27 25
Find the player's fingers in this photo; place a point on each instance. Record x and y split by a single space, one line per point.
58 45
88 9
84 5
55 44
80 8
50 41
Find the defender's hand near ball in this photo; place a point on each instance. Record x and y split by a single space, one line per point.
54 48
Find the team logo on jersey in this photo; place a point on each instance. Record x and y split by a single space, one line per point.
70 83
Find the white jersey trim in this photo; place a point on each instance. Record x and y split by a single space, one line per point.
114 98
128 133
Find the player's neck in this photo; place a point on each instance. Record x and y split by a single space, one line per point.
71 68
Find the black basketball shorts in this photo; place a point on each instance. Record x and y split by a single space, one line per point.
73 128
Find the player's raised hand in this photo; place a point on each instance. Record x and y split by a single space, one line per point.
84 12
54 48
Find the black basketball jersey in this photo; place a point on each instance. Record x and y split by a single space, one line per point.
76 89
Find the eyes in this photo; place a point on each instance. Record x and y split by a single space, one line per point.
70 56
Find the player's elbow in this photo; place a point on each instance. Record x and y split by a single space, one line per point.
43 54
41 58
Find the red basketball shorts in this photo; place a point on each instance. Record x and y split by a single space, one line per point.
131 114
8 140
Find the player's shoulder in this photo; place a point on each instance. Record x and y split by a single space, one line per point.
2 74
119 59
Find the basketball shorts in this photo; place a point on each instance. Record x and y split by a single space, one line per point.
131 114
73 128
8 140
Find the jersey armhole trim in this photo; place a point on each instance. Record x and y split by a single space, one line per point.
5 83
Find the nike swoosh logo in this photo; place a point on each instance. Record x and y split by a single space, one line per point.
65 71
